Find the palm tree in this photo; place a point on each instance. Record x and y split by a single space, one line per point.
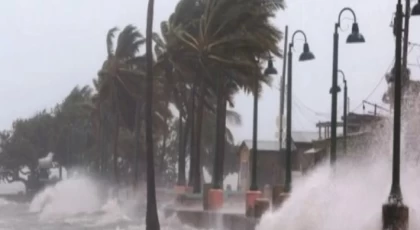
208 140
152 219
175 86
115 76
223 44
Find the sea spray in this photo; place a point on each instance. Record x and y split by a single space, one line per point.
68 197
347 198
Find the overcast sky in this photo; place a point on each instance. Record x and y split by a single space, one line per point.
49 46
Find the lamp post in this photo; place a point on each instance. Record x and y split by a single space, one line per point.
416 9
395 213
344 112
305 56
253 193
270 70
281 115
254 185
354 37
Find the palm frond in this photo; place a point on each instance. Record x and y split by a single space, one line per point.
109 41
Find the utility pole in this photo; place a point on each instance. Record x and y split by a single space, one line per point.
345 117
406 34
282 94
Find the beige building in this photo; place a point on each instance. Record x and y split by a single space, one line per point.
271 161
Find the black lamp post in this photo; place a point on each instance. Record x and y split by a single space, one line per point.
254 185
305 56
354 37
270 70
395 213
416 9
345 98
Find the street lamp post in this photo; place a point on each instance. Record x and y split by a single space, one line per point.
254 185
344 112
305 56
395 213
254 193
354 37
416 9
277 188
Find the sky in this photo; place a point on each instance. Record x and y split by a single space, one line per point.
48 47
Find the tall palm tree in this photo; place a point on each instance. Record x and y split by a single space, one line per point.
152 219
223 39
161 110
115 77
176 88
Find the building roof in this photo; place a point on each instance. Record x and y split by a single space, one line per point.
304 136
357 117
312 151
297 137
355 134
267 145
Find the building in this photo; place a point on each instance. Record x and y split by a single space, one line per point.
270 166
360 133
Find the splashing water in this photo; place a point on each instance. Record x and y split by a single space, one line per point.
4 202
66 198
76 202
350 195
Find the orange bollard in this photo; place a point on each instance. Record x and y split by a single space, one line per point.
261 206
251 197
180 189
215 198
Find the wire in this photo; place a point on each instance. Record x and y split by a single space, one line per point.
308 108
412 45
376 87
299 113
299 108
370 94
418 61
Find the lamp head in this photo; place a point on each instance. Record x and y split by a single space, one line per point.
416 9
270 70
307 55
355 36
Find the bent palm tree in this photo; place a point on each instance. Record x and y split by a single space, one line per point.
224 39
116 77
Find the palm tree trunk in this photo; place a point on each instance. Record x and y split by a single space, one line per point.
165 139
222 140
198 167
185 139
192 140
101 141
187 129
107 143
185 136
216 178
152 219
68 160
115 142
181 153
162 156
137 151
